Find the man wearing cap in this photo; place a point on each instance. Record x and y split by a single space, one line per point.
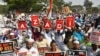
29 50
76 45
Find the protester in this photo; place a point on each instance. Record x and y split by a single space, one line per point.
36 32
86 41
48 34
54 48
93 50
34 38
78 35
42 42
69 37
76 45
29 50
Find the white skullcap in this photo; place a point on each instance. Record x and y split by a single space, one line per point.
76 42
86 34
30 40
11 33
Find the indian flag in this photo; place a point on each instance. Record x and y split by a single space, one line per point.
49 12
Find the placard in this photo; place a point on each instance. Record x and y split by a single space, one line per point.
95 37
6 47
76 53
70 21
55 54
47 24
22 25
42 49
22 54
35 20
59 24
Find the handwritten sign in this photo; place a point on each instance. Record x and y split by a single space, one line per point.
76 53
22 54
95 37
55 54
6 47
42 49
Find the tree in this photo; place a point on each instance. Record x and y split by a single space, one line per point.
76 8
88 4
58 5
23 5
95 9
31 5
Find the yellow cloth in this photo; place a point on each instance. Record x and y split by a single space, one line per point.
43 43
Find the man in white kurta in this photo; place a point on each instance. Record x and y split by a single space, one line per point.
29 50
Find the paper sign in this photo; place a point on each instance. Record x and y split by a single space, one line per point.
47 24
6 47
95 37
70 21
22 25
55 54
35 20
76 53
42 49
59 24
22 54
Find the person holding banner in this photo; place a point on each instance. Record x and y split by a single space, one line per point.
36 31
59 39
48 34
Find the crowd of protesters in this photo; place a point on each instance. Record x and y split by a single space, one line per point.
30 40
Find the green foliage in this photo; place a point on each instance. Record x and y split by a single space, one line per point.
88 5
31 5
22 5
58 4
95 9
76 8
3 9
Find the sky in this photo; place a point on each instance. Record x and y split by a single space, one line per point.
81 2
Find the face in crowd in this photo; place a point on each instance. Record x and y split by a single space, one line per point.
76 45
29 45
53 46
41 37
24 33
